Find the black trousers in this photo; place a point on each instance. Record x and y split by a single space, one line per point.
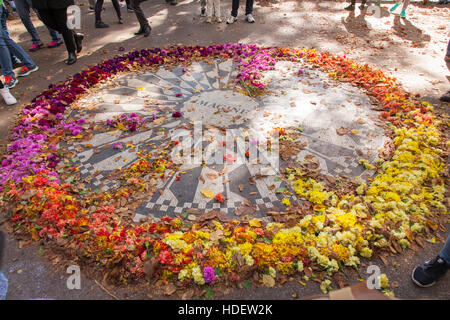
235 7
57 20
136 6
99 8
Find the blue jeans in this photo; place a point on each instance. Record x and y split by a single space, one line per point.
23 9
445 252
8 46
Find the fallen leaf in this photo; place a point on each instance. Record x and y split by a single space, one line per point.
268 281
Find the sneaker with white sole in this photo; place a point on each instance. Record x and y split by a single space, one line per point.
7 96
218 19
231 20
10 82
250 18
24 71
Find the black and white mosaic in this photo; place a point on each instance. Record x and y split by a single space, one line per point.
203 94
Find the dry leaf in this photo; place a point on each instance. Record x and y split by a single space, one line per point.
268 281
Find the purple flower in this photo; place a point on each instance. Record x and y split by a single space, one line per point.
176 114
117 145
209 275
178 95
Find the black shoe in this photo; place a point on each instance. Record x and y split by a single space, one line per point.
79 41
72 58
426 275
101 24
173 2
147 30
129 9
350 8
445 97
120 21
141 31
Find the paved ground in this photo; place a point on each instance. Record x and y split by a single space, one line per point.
412 51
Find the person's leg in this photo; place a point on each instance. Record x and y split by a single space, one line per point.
98 10
136 6
145 28
60 18
23 9
249 7
53 33
445 252
235 8
116 6
5 55
405 4
14 47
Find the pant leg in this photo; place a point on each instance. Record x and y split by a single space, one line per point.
92 3
445 252
5 55
98 10
136 6
23 9
53 33
209 8
405 4
117 8
235 8
249 7
216 8
57 20
13 47
203 4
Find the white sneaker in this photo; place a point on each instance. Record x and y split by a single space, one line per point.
219 19
209 19
250 18
7 96
231 20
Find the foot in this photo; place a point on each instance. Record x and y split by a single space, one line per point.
445 97
129 9
350 8
203 12
26 71
219 20
120 21
10 82
55 43
36 46
231 20
101 24
393 7
7 96
72 58
426 275
173 2
249 18
141 31
403 14
79 41
209 20
91 9
147 30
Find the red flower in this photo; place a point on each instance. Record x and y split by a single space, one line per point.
219 197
